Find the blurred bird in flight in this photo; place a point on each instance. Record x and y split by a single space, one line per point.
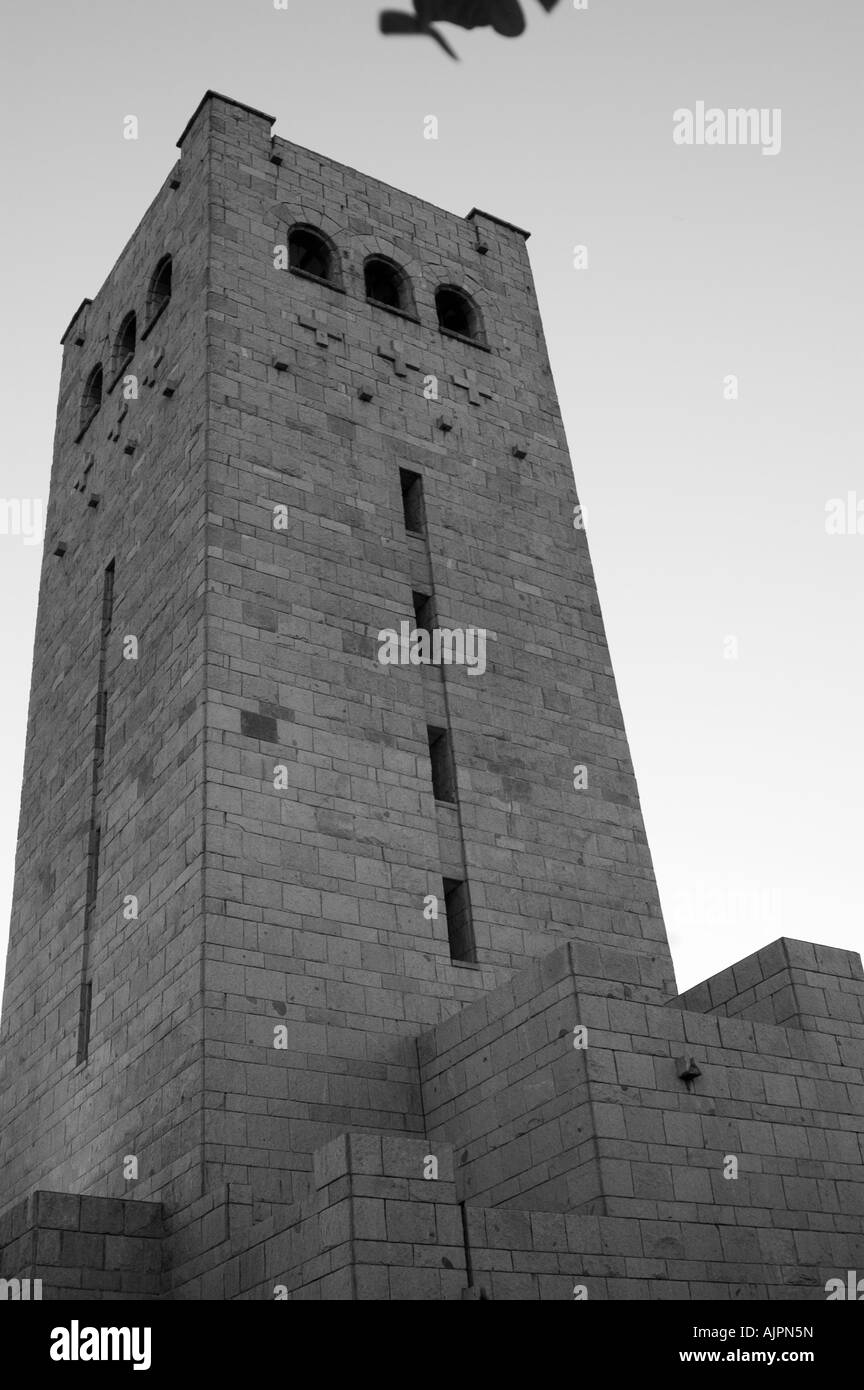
504 16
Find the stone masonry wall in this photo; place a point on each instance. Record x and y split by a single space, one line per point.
371 1227
315 891
792 982
282 1037
84 1248
612 1128
130 489
547 1172
259 647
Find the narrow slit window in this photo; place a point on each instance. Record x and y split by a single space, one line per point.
460 930
412 502
424 612
107 597
101 719
84 1010
105 633
95 851
443 771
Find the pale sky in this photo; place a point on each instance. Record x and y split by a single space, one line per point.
706 516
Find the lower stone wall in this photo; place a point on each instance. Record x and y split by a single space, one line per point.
382 1222
767 1131
374 1228
543 1255
371 1227
83 1247
556 1166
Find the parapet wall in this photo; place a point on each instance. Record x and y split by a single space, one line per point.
83 1248
580 1142
611 1126
797 983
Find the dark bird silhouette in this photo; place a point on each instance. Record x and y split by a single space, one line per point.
504 16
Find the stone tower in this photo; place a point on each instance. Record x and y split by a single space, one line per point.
292 920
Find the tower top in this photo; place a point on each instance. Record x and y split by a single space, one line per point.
211 95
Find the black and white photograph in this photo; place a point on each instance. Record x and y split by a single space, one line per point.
432 541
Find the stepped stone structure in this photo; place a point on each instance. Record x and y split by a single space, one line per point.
339 977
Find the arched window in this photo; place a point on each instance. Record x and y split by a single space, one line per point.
159 290
124 343
458 314
310 253
387 284
91 399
